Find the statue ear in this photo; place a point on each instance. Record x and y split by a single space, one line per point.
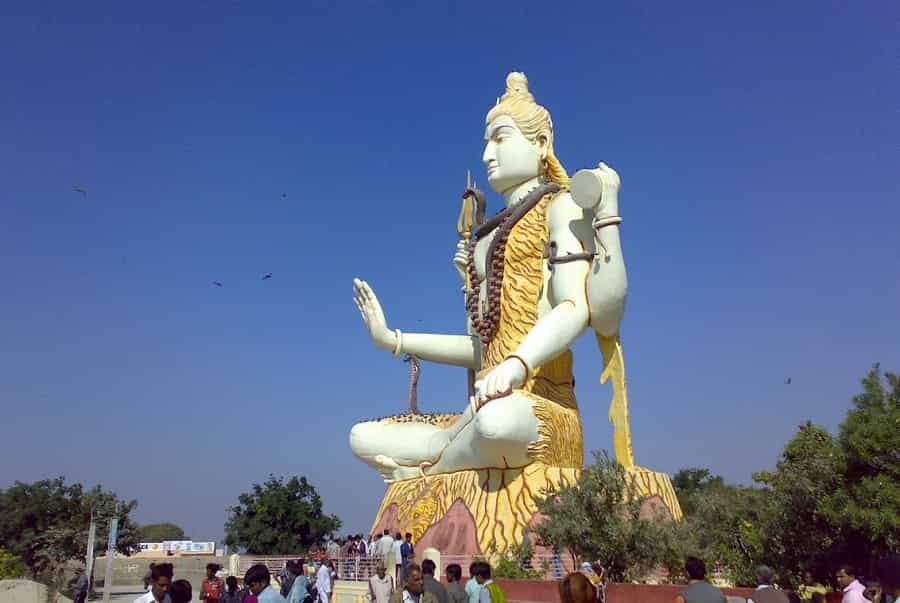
543 143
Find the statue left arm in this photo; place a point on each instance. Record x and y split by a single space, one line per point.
556 330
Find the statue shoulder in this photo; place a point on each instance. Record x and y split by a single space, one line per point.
565 216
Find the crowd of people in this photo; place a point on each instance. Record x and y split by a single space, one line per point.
312 580
886 589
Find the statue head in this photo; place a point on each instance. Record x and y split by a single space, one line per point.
519 139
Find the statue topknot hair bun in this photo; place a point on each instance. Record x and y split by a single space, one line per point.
517 85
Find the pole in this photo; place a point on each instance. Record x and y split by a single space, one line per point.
110 555
89 556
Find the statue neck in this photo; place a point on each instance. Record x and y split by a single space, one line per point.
515 194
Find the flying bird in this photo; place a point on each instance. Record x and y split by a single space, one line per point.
787 381
80 189
283 196
267 276
218 284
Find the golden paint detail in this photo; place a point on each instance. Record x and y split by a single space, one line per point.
550 386
614 371
502 501
523 280
652 484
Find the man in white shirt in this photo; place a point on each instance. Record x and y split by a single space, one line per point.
323 583
853 588
160 580
384 545
397 550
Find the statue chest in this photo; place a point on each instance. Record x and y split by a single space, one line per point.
481 253
508 257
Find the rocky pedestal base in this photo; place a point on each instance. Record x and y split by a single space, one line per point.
470 512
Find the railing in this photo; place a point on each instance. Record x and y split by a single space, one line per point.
546 566
348 568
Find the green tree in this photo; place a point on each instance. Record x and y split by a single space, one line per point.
836 498
723 523
599 518
867 507
693 483
279 517
46 523
799 535
157 532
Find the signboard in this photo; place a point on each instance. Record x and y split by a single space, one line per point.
185 547
113 537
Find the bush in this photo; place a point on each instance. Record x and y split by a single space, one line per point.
516 563
11 566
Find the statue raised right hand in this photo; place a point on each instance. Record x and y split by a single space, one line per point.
373 315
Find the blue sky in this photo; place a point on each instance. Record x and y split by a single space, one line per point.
757 143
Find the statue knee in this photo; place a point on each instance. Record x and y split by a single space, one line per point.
506 420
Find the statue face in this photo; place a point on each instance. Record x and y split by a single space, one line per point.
509 157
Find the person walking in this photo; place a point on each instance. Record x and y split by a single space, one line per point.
430 584
413 590
160 581
385 544
397 551
407 552
181 592
212 588
490 590
473 589
324 582
381 586
259 580
809 586
455 591
232 594
698 589
299 592
765 592
852 588
81 586
147 576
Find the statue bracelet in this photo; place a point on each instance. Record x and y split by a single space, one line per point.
398 346
524 364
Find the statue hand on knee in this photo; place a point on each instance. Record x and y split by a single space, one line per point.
500 382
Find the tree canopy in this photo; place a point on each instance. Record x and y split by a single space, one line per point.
46 523
279 517
157 532
598 518
829 499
